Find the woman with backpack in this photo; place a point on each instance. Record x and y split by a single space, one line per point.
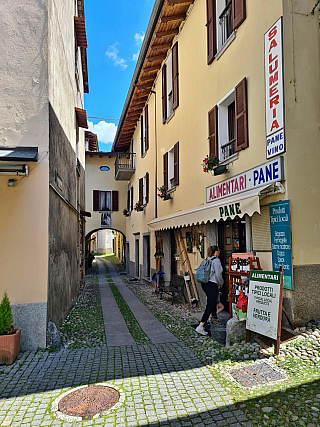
211 287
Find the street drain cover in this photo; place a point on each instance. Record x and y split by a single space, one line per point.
256 374
88 401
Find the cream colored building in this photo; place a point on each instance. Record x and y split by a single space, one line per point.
42 161
106 198
239 79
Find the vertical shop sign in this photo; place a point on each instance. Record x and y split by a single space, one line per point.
280 227
274 93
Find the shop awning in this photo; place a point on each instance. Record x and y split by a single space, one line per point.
227 208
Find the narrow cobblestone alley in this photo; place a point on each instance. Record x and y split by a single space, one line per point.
162 383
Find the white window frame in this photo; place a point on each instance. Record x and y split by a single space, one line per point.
169 88
222 44
144 190
131 201
143 136
171 168
100 204
223 130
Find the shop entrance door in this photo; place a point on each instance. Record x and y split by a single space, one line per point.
231 239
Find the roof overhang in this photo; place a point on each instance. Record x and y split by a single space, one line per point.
164 25
19 154
224 209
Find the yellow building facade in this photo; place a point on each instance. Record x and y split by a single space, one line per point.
239 81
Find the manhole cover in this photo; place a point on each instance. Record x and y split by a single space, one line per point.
257 374
86 402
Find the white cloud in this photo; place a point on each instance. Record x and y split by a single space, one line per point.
139 38
105 131
112 53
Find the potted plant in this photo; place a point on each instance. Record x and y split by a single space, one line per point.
159 254
126 212
163 193
138 206
210 162
9 337
176 257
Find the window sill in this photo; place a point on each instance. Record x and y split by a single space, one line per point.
172 189
226 45
230 159
170 117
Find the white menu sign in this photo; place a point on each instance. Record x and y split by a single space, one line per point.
273 63
263 303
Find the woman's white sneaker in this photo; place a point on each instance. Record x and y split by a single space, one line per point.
201 330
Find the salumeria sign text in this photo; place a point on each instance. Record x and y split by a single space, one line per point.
274 90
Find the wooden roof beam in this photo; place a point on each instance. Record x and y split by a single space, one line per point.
161 46
156 58
178 2
172 32
149 69
146 79
177 17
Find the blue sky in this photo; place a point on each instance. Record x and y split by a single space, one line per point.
115 31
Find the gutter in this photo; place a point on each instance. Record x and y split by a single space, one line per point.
144 48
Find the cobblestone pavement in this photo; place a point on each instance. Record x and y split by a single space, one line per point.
162 384
183 383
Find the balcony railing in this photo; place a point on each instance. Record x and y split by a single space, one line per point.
228 149
125 166
225 24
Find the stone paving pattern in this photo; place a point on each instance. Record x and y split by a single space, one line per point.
163 383
166 384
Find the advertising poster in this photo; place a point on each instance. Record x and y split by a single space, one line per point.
263 303
106 219
280 228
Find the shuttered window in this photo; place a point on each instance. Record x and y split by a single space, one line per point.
142 135
96 203
115 201
175 77
147 187
211 30
165 170
238 12
222 20
164 93
213 130
131 199
261 236
176 164
146 128
105 200
141 190
128 200
241 115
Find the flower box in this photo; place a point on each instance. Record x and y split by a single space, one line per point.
9 347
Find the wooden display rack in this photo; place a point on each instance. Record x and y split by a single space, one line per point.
235 280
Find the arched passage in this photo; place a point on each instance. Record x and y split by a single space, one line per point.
105 240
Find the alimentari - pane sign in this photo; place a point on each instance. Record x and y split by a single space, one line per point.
263 303
266 173
273 62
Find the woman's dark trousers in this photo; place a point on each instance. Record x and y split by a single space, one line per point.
211 290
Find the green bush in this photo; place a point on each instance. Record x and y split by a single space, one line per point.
6 319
